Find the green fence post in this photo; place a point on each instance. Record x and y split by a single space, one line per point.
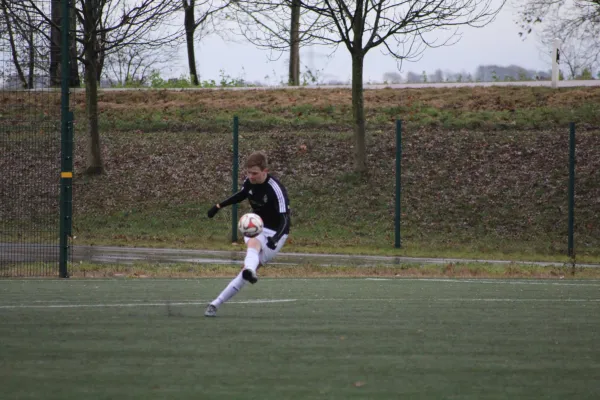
66 131
571 249
398 181
234 208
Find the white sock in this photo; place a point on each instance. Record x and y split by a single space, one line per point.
231 290
251 261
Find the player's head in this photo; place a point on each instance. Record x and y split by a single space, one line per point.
256 167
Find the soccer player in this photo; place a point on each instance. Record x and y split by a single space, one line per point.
268 198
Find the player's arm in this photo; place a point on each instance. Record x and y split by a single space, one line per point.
234 199
284 222
284 215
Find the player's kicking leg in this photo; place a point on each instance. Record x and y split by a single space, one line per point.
252 260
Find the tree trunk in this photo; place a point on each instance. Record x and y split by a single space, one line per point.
31 77
190 28
55 12
13 47
74 64
358 104
95 165
294 75
358 113
100 56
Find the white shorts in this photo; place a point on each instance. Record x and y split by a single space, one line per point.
266 254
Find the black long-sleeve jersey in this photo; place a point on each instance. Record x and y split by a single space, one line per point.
269 200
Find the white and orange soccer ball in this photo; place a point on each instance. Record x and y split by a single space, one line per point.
250 225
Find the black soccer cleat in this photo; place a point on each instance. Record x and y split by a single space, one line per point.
249 275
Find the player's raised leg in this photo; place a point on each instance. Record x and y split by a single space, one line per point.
252 260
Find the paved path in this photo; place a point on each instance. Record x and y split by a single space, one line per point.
104 254
10 253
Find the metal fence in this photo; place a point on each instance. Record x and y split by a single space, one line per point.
509 193
30 142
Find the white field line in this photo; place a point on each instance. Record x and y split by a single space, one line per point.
262 301
153 304
592 283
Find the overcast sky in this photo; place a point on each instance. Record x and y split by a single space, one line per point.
497 43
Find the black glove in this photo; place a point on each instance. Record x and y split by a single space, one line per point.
213 211
271 243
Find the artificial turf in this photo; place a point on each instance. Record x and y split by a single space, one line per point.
300 339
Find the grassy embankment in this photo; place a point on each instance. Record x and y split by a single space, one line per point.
484 172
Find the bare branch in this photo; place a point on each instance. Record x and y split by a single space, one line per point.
382 20
266 24
571 17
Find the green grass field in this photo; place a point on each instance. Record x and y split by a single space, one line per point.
300 339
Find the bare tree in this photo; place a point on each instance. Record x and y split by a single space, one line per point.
278 25
198 14
577 55
576 23
23 41
109 25
8 31
572 17
55 42
403 28
134 64
104 27
294 62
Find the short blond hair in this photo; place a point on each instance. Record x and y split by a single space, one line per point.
257 159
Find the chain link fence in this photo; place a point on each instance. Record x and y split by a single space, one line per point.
30 141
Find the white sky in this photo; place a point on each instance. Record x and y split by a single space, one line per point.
497 43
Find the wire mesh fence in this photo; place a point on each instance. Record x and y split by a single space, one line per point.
480 189
30 141
500 193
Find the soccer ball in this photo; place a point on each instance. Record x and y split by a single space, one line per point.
250 225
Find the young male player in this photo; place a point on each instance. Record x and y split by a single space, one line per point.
268 198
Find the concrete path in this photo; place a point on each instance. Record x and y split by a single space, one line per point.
104 254
10 253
